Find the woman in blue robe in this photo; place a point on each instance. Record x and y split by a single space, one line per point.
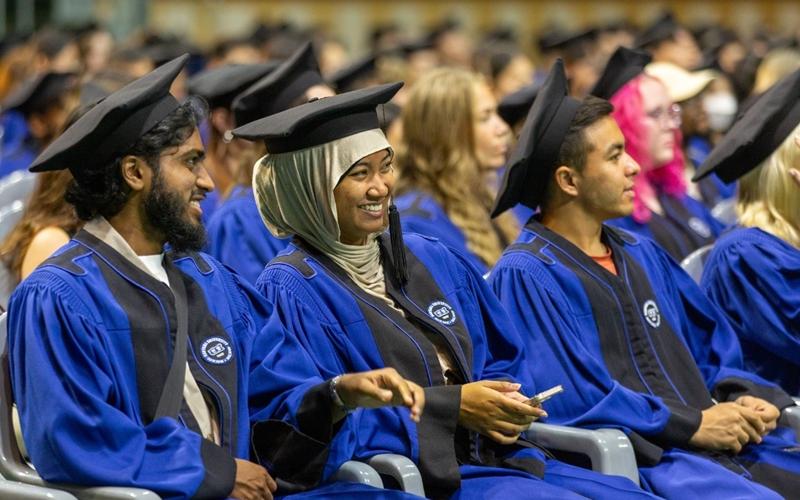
355 298
753 272
454 144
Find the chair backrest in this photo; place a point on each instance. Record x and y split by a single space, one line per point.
10 216
694 263
12 466
8 282
725 212
16 186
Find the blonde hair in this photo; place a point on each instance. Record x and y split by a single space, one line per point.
438 156
768 196
777 64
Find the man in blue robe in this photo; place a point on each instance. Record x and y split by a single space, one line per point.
235 233
614 319
130 366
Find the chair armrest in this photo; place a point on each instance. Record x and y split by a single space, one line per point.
12 489
609 450
358 472
790 417
402 469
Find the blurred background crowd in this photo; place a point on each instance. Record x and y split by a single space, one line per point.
56 56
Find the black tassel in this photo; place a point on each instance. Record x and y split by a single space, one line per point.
398 249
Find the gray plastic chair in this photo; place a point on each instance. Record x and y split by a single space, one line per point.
694 263
725 212
11 489
609 450
16 186
9 216
790 417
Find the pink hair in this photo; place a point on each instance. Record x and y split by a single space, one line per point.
668 178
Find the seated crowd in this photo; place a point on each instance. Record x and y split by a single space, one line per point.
231 284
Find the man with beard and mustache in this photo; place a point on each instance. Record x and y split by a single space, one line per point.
131 364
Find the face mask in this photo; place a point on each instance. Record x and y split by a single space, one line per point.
721 110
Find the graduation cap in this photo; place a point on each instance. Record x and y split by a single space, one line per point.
661 29
757 133
347 78
115 123
219 86
624 65
515 106
35 94
279 89
546 126
320 120
445 26
572 42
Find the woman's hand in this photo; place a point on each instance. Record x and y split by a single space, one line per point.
378 388
496 410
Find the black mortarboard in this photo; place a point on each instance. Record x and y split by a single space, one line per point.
559 39
38 92
279 89
445 26
348 77
515 106
661 29
757 133
115 123
546 126
624 65
418 45
219 86
321 120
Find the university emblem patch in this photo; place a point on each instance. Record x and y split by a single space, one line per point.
216 350
442 312
651 313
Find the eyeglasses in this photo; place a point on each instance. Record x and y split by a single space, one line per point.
670 116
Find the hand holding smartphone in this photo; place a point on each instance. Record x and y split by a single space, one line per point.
543 396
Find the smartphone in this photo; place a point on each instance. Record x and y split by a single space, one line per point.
543 396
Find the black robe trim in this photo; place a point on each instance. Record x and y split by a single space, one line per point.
296 455
149 306
640 348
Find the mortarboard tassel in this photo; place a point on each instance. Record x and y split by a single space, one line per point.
398 248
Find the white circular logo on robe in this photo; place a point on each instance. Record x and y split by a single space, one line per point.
216 350
699 227
442 312
651 313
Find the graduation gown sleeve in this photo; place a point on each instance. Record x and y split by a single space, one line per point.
754 278
74 423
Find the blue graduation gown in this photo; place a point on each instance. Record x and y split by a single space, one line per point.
334 327
420 213
644 352
17 150
712 189
239 239
89 349
685 226
754 277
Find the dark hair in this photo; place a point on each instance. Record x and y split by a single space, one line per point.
103 191
493 57
575 147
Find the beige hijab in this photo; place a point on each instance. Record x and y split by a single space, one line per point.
294 194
